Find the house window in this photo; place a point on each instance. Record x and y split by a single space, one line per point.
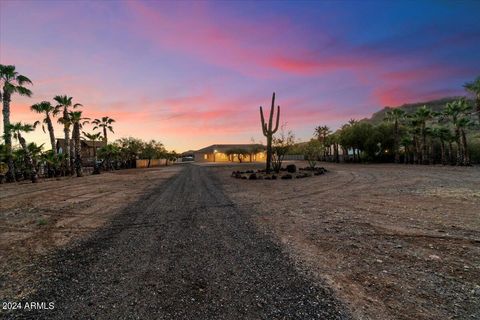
205 156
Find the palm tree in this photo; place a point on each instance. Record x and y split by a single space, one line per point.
52 162
444 135
474 87
464 123
11 82
36 153
94 137
406 142
46 108
78 122
104 123
415 131
321 132
456 111
422 115
64 105
396 116
17 129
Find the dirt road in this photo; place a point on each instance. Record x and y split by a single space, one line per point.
184 251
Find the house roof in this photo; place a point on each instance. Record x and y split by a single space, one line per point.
225 147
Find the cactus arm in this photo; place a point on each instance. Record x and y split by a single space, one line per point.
264 125
278 120
272 109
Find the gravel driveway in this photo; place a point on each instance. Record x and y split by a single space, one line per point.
184 251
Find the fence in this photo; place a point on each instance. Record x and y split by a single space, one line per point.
153 163
294 157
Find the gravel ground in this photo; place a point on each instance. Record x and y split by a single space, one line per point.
392 241
184 251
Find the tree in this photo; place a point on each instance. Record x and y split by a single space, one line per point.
130 148
47 109
153 150
64 105
104 123
109 153
17 129
78 122
474 87
268 130
422 115
94 137
313 151
396 116
36 154
321 132
464 123
11 82
443 134
171 156
407 143
456 111
53 163
281 144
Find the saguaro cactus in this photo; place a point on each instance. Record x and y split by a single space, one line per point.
268 131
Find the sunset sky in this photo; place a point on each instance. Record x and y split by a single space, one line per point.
191 74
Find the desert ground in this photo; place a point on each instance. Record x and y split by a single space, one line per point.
190 242
393 241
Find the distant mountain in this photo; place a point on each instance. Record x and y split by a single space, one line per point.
436 105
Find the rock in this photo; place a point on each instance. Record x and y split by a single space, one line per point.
287 176
291 168
252 176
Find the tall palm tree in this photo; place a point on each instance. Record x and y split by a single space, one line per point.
17 129
474 87
64 105
94 137
104 123
78 122
422 115
406 142
464 123
444 135
11 82
456 111
415 131
396 116
47 109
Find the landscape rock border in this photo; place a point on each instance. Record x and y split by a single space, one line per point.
288 173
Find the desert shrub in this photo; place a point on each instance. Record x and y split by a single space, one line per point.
313 151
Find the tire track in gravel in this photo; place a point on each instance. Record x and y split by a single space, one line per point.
203 260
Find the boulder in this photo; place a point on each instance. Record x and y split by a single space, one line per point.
252 176
287 176
291 168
